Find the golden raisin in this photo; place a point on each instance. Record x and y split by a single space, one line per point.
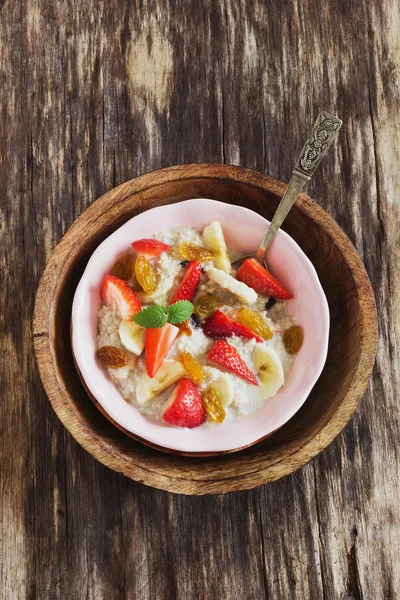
145 275
205 306
112 357
185 328
293 339
124 267
193 252
255 322
192 367
213 405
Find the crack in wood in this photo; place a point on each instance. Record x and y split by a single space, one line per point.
354 589
320 539
263 550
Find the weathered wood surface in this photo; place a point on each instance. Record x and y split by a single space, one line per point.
94 93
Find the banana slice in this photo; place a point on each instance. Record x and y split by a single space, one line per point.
213 239
165 285
245 293
223 384
132 337
154 298
269 369
168 374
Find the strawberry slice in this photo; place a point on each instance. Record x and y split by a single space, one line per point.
221 326
188 286
227 356
255 276
117 294
157 344
184 407
149 248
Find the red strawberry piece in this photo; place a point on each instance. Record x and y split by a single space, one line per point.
149 248
117 294
158 342
255 276
227 356
188 286
184 407
221 326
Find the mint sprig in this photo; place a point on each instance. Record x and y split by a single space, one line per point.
151 317
179 312
155 316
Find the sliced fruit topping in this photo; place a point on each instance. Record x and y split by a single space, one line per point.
227 356
221 326
213 239
117 294
188 286
156 297
213 404
132 337
293 339
124 267
245 293
184 407
255 322
258 278
223 384
269 369
205 306
193 367
169 373
193 252
112 357
145 275
149 248
158 342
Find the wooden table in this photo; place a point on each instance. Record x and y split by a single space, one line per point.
94 93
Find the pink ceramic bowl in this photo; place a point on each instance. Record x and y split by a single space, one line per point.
244 230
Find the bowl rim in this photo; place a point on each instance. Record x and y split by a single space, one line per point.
102 448
176 441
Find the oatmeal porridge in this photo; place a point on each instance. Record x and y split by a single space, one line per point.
187 339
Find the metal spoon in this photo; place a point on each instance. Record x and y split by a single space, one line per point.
324 132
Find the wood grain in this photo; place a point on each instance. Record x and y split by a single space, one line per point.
95 93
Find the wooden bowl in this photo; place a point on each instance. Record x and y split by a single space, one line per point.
329 407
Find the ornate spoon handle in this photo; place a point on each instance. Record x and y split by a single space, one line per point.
324 132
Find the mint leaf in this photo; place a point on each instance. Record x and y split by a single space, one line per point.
156 316
180 311
151 317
